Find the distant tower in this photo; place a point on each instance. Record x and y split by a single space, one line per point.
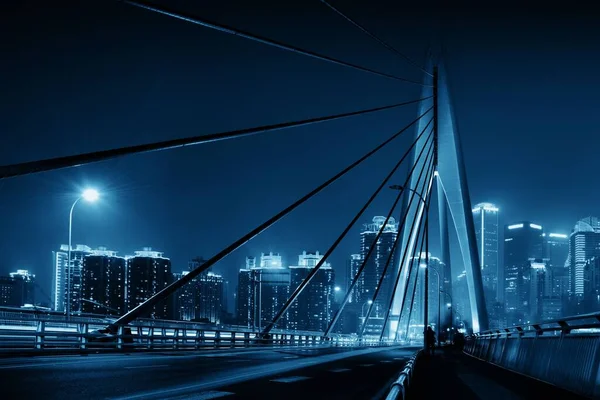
313 308
59 288
523 244
148 272
103 283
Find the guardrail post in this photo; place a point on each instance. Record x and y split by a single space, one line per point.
163 336
150 338
120 332
217 338
39 335
565 328
83 332
176 338
247 339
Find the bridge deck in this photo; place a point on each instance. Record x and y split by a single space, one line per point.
453 374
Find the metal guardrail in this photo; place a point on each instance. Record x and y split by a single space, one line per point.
578 324
51 334
401 385
564 353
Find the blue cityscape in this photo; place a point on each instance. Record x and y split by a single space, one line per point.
267 200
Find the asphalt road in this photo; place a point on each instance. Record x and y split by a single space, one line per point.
329 373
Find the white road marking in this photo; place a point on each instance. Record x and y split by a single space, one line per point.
291 357
340 370
366 365
385 361
148 366
290 379
399 358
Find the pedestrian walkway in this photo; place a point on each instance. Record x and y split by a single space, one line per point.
453 374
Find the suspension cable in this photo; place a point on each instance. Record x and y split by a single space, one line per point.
364 262
380 41
49 164
411 268
260 39
405 253
426 167
416 281
316 268
170 289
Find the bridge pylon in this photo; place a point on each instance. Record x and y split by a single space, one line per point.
454 203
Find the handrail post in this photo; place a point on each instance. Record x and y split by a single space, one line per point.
39 335
83 329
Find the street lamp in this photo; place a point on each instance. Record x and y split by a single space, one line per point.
337 289
89 195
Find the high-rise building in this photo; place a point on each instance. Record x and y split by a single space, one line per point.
148 272
202 299
591 288
17 289
485 217
62 273
584 244
523 241
313 308
244 297
262 291
556 251
103 283
376 263
357 293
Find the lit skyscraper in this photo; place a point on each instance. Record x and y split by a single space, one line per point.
584 245
103 283
262 291
17 289
148 272
376 263
523 242
61 275
485 217
313 308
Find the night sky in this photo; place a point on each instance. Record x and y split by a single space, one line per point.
92 75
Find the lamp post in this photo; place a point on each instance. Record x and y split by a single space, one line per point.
90 195
426 308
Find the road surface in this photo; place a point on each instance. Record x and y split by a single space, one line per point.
329 373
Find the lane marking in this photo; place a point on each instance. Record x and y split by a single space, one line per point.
340 370
236 361
366 365
290 379
288 357
148 366
385 361
400 358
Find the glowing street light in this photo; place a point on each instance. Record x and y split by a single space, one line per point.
337 289
89 195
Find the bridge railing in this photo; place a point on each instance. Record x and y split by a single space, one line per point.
564 352
147 335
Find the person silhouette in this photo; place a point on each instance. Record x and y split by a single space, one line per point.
430 340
